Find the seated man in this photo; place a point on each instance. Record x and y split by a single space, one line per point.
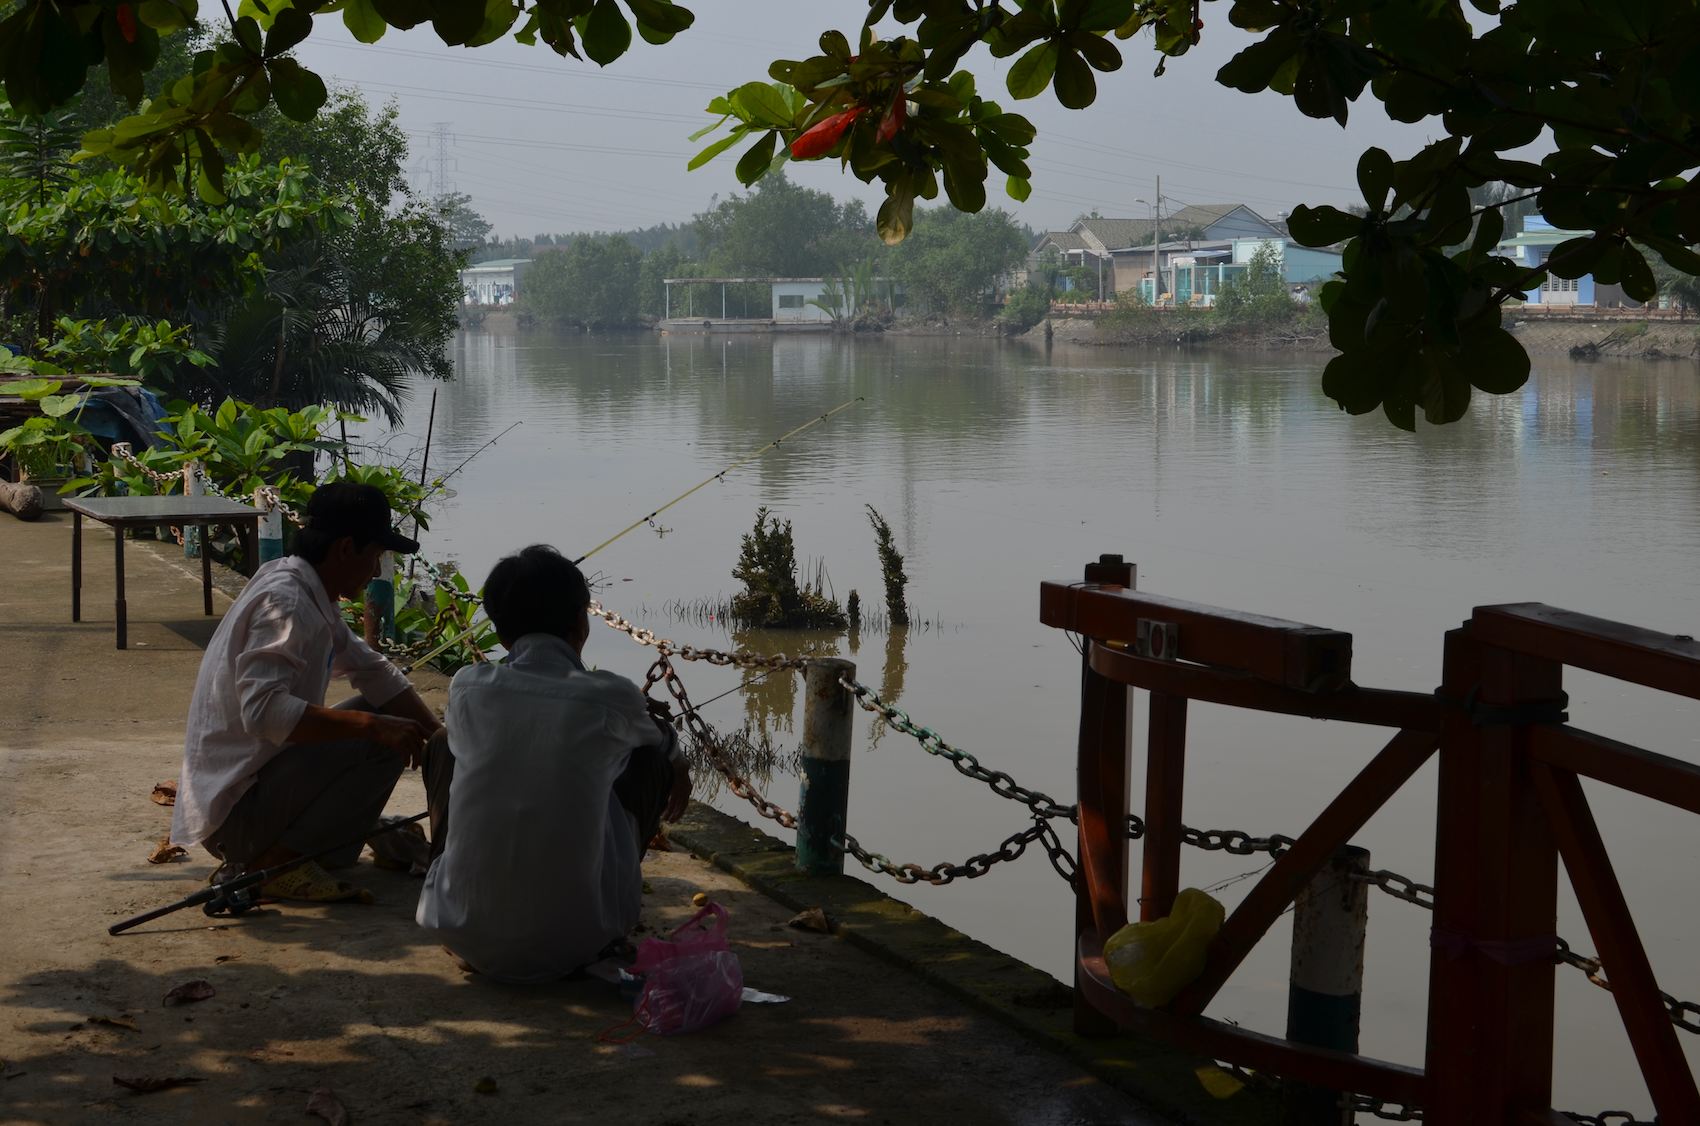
269 773
558 779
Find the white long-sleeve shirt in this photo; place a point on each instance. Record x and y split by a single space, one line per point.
542 866
274 653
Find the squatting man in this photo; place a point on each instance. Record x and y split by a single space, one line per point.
556 776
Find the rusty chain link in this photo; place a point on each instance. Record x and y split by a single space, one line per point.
1381 1108
662 670
1399 887
1233 841
1403 887
1677 1010
975 866
742 659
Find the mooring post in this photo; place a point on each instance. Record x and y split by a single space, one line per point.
1326 985
824 775
270 529
193 486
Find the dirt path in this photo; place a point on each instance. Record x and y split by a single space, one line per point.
352 998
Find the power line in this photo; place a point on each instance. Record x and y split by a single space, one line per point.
436 165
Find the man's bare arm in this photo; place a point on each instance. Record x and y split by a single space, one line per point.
400 733
408 705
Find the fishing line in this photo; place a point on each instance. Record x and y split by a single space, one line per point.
718 476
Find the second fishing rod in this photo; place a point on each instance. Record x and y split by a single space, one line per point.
636 524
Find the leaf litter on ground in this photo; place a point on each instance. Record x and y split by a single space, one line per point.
811 919
165 793
147 1084
324 1104
190 991
116 1022
165 852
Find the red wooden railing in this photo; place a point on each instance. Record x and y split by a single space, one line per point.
1510 806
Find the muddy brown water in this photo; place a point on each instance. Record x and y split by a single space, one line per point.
1229 478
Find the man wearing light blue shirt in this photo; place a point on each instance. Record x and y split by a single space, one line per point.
557 779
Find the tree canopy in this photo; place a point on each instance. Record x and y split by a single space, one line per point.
953 260
783 229
1614 85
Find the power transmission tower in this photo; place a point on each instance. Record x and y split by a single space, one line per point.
435 163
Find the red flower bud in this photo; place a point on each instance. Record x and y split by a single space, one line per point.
127 23
818 140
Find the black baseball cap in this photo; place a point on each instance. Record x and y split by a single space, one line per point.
343 508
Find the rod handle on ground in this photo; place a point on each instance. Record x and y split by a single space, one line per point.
265 876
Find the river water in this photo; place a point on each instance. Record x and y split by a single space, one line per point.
1229 478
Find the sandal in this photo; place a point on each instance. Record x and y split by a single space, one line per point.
311 884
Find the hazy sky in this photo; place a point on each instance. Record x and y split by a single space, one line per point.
545 144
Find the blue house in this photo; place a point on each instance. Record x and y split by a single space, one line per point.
1535 245
1194 275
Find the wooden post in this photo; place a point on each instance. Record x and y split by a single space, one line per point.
1496 880
824 775
1325 986
1165 777
1102 775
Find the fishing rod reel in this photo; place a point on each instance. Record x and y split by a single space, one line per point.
237 901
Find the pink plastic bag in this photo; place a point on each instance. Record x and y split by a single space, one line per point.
692 981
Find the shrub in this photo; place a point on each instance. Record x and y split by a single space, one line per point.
771 598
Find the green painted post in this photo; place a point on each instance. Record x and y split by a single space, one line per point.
1326 984
824 776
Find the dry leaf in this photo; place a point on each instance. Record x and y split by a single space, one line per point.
165 793
165 852
324 1104
223 958
812 919
117 1022
190 991
147 1084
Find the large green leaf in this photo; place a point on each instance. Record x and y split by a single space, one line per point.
362 21
753 165
606 33
31 388
1494 361
761 104
1375 177
298 91
289 27
1322 226
1032 72
1076 88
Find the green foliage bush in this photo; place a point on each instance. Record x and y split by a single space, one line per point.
772 598
953 262
1026 307
590 284
1258 294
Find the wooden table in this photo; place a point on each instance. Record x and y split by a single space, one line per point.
141 512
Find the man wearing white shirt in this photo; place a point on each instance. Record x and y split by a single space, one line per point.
558 778
269 773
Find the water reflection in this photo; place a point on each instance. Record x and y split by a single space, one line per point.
1229 478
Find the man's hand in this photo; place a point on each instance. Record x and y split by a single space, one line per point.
681 795
659 710
400 734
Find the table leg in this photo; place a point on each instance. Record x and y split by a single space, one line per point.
118 598
76 566
206 567
250 533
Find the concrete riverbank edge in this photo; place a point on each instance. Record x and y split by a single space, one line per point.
1019 995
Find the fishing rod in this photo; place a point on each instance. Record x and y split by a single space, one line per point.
227 897
717 477
451 642
474 453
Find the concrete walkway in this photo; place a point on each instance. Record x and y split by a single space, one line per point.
352 998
